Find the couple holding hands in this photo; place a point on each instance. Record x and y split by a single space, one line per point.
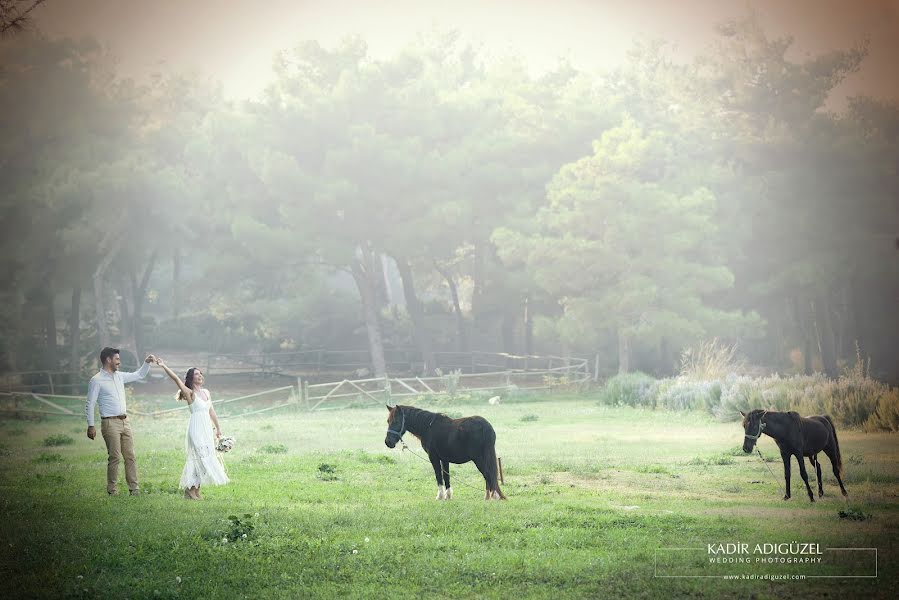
107 389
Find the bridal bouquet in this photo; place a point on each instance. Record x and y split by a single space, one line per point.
225 444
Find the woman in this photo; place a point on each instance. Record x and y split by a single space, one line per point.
203 465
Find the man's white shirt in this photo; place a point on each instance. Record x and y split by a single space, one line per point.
108 390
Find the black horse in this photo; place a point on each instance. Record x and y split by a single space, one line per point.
448 441
796 436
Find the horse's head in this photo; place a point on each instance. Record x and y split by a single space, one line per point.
753 426
396 426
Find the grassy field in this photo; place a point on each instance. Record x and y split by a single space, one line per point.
596 495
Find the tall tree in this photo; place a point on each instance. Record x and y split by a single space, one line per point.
623 246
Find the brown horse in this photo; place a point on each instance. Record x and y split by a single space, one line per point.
448 441
796 436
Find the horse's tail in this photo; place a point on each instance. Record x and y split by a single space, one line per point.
836 443
491 468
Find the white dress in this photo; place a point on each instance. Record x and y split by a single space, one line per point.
203 465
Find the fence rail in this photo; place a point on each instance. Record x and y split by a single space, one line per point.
487 372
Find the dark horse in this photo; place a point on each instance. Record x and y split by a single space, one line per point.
448 441
796 436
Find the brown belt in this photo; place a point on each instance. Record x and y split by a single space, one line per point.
116 417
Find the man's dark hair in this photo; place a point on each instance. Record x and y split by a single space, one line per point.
106 353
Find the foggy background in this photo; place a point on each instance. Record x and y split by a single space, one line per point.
576 179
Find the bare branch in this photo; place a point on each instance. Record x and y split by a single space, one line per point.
14 15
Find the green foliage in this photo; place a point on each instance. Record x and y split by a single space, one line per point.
274 449
854 513
850 400
717 460
681 393
58 439
885 416
240 529
46 457
327 472
529 418
629 389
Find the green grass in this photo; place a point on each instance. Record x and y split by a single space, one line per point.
594 493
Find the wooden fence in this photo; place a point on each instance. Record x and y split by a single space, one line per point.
465 373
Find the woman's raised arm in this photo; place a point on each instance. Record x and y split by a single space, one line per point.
186 392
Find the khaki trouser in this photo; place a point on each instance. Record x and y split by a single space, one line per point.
117 435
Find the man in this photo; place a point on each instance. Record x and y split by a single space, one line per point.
107 388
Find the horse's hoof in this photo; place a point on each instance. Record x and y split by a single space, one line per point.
845 494
786 497
811 499
449 494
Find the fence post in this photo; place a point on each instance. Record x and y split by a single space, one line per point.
299 395
306 394
596 369
387 388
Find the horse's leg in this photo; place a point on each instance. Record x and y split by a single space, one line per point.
817 464
438 473
444 466
804 474
832 455
786 458
479 463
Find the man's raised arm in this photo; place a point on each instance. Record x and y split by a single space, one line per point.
140 373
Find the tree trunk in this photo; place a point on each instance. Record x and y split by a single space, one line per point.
666 364
824 335
857 319
461 329
51 357
477 292
75 330
623 352
528 328
507 332
176 281
800 319
140 292
363 270
109 247
416 314
128 337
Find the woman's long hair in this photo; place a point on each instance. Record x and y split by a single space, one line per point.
188 382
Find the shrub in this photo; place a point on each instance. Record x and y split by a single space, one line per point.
711 360
59 439
854 514
46 457
630 389
682 393
885 416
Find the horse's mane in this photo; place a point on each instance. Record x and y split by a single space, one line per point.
420 417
